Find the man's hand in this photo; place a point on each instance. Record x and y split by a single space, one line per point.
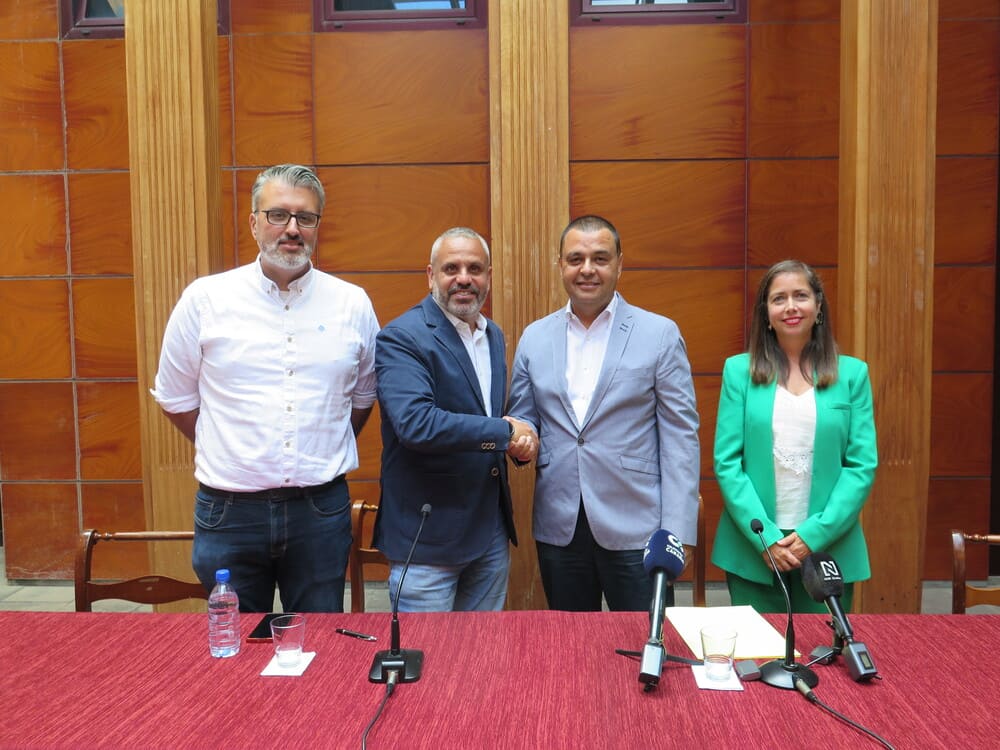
524 442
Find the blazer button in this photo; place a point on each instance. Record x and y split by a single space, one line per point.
494 472
580 441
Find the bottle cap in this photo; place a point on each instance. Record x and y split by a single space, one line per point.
222 575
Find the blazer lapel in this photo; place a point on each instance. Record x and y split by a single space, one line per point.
498 365
621 331
558 337
445 333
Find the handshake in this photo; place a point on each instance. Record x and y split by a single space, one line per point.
524 442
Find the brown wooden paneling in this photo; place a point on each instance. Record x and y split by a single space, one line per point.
668 214
30 112
401 97
34 329
965 213
385 218
962 504
273 107
706 390
712 499
104 328
225 102
100 223
968 87
110 447
792 211
29 19
964 302
228 218
40 530
36 233
392 294
800 10
794 89
370 451
657 92
961 417
246 247
705 304
37 441
271 16
96 104
948 9
116 507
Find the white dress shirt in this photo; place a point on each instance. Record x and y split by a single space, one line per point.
585 350
794 427
275 380
478 346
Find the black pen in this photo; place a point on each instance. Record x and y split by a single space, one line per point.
355 634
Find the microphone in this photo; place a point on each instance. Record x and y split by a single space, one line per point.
823 581
396 664
776 673
663 559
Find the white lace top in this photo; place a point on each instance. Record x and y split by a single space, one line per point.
794 426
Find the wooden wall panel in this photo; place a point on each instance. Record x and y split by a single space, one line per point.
706 390
968 87
273 99
712 498
104 328
668 214
35 311
225 101
385 218
30 113
794 89
965 228
34 207
706 304
394 293
116 507
800 10
38 440
962 504
374 105
792 211
950 9
96 104
100 223
961 424
963 322
110 445
657 92
40 523
29 19
272 16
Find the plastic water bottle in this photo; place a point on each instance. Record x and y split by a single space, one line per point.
223 617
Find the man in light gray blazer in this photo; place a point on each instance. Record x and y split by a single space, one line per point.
607 387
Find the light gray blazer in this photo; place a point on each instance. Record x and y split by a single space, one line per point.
635 458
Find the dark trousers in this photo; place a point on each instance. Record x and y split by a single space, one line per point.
576 576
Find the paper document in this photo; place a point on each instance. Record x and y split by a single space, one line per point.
755 638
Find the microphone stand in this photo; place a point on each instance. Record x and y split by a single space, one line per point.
777 673
397 664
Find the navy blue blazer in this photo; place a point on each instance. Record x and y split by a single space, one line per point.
438 445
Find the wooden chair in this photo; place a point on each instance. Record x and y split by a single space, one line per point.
362 553
148 589
963 594
700 556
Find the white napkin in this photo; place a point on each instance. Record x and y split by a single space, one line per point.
273 670
704 683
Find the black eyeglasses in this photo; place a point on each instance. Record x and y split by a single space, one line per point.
280 218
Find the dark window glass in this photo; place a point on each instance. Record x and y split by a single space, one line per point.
657 11
104 19
340 15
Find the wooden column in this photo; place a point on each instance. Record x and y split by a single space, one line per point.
886 268
529 168
173 118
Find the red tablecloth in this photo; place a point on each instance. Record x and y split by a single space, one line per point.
490 680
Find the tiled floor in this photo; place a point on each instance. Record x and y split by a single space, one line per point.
58 597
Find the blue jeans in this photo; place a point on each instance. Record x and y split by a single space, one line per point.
477 586
300 543
576 576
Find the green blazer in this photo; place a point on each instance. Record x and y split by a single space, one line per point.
844 461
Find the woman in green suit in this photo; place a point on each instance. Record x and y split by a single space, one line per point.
794 447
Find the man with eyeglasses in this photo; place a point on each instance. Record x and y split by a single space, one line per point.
269 370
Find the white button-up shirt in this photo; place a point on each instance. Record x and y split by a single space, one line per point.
585 350
478 347
275 379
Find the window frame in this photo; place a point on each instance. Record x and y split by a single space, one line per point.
585 13
326 18
74 24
